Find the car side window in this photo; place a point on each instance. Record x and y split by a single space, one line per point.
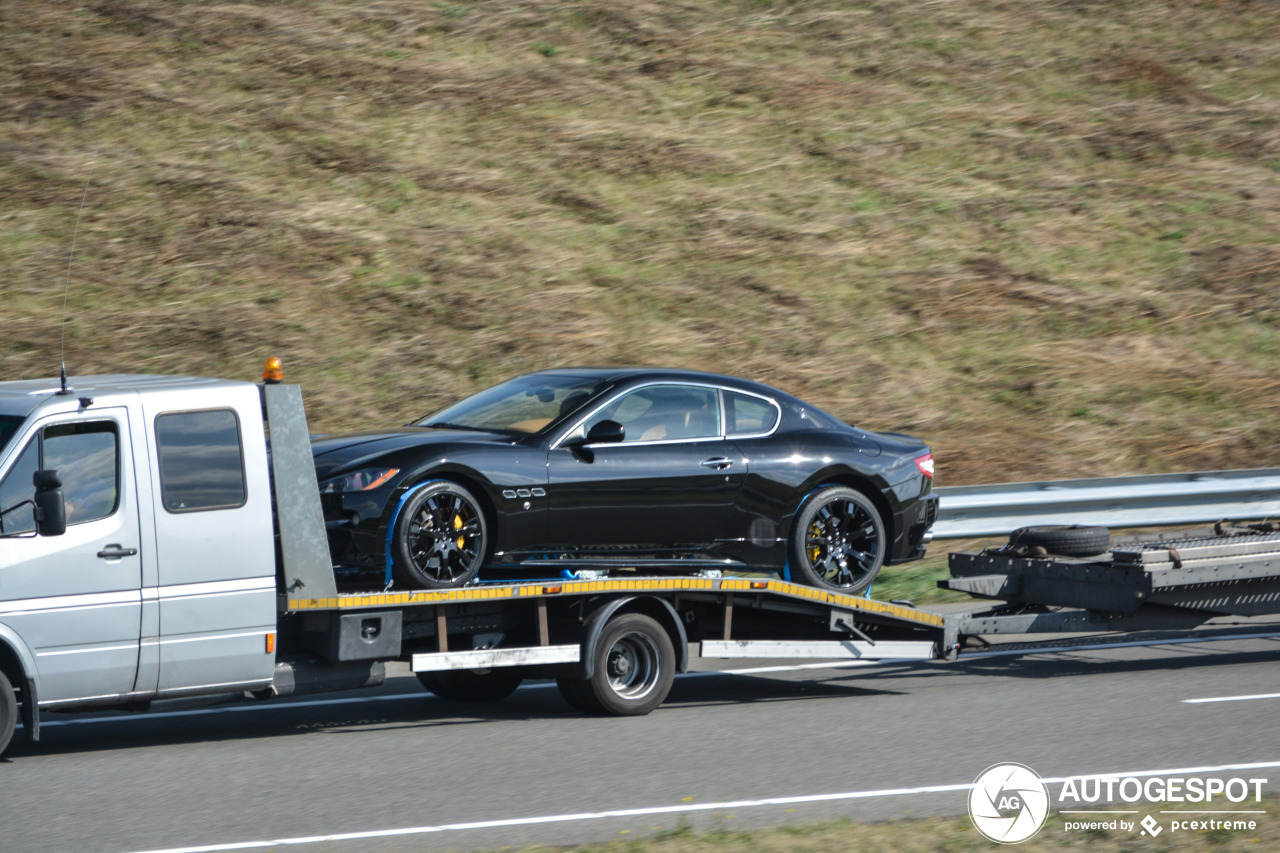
86 456
664 413
201 460
748 415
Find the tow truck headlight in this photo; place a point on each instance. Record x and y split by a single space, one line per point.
362 480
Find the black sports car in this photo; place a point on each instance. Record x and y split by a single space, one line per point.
552 473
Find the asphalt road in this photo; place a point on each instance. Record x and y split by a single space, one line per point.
395 769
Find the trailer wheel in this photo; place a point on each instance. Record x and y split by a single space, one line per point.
8 712
473 685
634 666
440 538
1067 540
839 540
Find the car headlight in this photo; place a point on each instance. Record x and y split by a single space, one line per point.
362 480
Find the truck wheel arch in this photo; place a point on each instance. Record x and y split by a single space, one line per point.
658 609
18 665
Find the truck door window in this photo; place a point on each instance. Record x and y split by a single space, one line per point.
201 462
16 488
85 455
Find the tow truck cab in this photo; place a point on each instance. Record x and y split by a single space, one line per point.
163 582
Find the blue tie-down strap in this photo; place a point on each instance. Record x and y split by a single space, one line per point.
391 527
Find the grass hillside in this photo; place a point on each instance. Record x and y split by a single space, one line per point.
1045 236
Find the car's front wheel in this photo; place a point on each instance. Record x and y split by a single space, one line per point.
440 537
839 540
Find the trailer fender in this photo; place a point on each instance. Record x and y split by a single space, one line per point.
657 608
20 666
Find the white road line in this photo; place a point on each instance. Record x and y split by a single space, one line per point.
1232 698
682 808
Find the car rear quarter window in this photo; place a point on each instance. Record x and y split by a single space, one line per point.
201 460
746 414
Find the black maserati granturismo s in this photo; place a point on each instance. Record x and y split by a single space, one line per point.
573 472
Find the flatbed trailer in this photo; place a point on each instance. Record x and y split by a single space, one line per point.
1160 584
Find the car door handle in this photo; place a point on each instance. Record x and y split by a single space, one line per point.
719 463
115 552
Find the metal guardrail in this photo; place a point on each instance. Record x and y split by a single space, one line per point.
1115 502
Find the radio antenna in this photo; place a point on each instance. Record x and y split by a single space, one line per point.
67 288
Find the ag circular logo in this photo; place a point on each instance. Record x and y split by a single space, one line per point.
1008 803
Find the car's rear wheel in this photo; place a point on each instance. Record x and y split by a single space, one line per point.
473 685
839 541
440 538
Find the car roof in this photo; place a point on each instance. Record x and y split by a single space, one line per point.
661 374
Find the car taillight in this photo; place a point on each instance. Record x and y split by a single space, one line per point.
925 464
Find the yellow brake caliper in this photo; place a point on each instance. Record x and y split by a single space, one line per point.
815 553
457 525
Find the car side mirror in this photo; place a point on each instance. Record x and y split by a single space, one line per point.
51 508
603 432
606 432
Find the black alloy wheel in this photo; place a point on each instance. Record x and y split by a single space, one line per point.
441 537
839 541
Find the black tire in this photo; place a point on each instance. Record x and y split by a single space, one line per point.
839 540
635 664
577 692
1067 540
473 685
441 537
8 712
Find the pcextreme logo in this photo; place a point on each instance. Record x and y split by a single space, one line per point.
1009 803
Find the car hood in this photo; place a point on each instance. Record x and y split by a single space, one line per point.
334 453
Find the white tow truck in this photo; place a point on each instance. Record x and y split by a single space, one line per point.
162 537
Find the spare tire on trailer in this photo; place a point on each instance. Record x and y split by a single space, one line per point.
1066 540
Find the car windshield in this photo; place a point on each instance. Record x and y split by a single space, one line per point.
526 404
9 425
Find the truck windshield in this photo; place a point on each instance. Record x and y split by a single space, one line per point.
9 425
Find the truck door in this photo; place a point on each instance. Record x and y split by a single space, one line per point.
215 544
75 600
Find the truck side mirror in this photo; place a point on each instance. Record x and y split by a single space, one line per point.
51 508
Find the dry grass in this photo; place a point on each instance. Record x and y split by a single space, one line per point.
1042 236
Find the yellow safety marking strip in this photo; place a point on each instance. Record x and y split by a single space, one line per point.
567 587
